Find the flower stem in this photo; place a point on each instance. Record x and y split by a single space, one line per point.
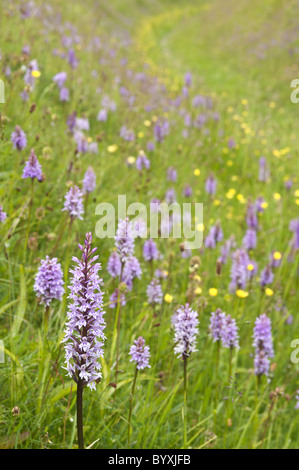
28 221
118 325
185 402
46 319
68 251
117 340
268 420
131 406
230 362
80 414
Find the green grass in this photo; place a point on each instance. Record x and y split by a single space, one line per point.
219 45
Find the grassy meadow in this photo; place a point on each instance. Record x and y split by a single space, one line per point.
202 89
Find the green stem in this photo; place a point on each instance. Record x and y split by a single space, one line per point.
68 251
268 420
185 402
46 319
117 340
80 414
230 362
216 380
86 203
118 324
28 221
60 233
131 406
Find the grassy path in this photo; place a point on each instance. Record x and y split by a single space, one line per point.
243 51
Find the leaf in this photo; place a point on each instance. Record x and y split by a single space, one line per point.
62 391
19 316
7 306
11 355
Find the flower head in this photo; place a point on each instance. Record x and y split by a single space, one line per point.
116 297
18 138
239 272
185 322
211 185
114 265
263 344
172 174
64 94
142 162
266 276
251 217
261 363
230 337
3 214
263 170
30 74
275 259
89 181
73 203
49 281
150 250
32 168
60 79
225 249
187 191
154 292
124 240
214 236
140 353
132 269
84 335
250 239
216 324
